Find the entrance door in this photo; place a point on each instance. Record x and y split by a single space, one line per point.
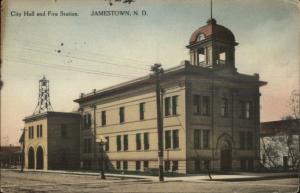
226 160
39 158
31 158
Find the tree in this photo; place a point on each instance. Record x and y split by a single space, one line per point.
284 142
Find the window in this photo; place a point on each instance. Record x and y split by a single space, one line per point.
174 166
122 114
138 165
200 37
167 165
246 109
171 104
87 121
174 104
146 164
197 139
168 139
30 132
39 131
196 104
84 121
125 165
242 140
201 56
118 165
107 144
138 141
205 138
142 111
103 118
87 145
224 107
63 130
249 140
205 105
125 142
175 139
167 106
119 146
146 141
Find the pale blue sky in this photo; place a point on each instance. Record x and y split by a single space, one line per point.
267 32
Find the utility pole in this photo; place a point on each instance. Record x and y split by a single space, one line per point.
23 152
158 71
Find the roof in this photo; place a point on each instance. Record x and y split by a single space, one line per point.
213 30
182 70
50 114
10 149
290 126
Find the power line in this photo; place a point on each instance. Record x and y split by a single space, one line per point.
69 68
54 47
84 59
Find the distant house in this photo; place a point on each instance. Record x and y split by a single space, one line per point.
280 143
10 156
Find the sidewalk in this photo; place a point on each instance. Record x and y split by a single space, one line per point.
242 176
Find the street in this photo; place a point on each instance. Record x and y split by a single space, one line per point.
14 181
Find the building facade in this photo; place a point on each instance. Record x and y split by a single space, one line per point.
211 114
52 141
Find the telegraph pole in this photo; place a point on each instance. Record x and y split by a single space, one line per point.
157 72
23 152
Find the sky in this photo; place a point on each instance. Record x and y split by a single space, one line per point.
81 53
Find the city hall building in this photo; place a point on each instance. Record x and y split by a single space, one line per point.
211 114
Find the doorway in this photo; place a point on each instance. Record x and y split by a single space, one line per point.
39 158
226 160
31 158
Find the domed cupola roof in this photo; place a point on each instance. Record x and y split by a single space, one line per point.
212 30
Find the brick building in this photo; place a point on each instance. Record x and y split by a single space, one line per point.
51 140
211 114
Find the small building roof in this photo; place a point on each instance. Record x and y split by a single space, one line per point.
49 114
270 128
9 149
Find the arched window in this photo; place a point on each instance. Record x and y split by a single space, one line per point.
200 37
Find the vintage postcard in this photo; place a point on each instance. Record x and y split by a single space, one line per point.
150 96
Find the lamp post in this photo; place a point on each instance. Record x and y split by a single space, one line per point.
102 142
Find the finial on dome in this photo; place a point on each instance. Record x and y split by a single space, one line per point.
212 21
